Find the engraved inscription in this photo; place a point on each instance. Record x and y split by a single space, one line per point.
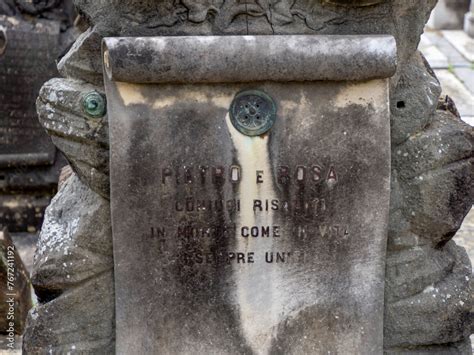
195 176
204 174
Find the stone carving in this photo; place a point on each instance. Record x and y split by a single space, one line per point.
220 14
223 13
427 297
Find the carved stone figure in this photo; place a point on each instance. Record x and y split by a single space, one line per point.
428 295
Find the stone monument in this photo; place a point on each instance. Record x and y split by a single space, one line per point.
427 297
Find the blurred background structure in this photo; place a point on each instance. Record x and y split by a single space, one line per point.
33 35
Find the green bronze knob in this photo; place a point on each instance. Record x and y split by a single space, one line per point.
94 104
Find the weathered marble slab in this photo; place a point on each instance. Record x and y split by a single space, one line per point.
231 244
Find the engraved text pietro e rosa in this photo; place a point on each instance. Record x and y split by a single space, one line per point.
298 176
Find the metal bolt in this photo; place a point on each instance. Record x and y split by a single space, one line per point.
94 104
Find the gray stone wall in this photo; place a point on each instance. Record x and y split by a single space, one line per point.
428 296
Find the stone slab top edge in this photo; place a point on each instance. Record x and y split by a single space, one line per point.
226 59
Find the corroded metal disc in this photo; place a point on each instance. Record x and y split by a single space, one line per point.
253 112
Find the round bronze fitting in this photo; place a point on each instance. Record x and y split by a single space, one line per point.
94 104
253 112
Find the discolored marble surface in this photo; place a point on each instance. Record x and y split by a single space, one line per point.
249 244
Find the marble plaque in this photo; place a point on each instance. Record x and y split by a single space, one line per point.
228 243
